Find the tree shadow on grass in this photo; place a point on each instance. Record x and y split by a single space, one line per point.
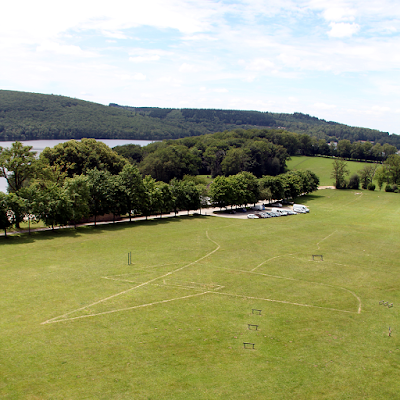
83 230
308 198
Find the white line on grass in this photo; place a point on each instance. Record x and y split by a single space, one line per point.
283 301
325 239
123 309
137 286
299 280
273 258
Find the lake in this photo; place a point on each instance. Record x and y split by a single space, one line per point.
40 145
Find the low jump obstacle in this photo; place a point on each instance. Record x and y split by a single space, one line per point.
255 311
248 345
317 256
251 326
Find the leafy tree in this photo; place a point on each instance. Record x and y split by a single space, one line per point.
339 173
275 184
221 192
132 152
78 157
245 188
344 148
367 175
99 187
149 204
133 188
380 176
78 193
164 198
292 185
49 203
17 206
192 200
4 217
392 166
17 165
168 162
235 161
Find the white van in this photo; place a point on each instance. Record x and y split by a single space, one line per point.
259 207
279 211
299 208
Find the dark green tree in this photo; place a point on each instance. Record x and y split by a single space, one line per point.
133 188
339 173
17 165
78 157
4 217
367 175
99 187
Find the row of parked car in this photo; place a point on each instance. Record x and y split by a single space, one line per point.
279 212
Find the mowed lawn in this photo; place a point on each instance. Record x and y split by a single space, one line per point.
323 167
78 322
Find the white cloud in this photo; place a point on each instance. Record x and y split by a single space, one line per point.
139 77
188 68
258 64
343 29
339 14
141 59
60 49
323 106
115 34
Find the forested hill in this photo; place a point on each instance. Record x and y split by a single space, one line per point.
30 116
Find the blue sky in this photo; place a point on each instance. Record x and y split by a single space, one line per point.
337 60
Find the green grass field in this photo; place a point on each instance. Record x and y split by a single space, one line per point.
322 167
79 323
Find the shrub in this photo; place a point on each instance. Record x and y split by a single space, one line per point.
388 188
371 186
354 182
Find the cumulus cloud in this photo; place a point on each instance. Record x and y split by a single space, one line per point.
343 29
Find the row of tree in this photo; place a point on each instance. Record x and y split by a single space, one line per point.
245 188
39 190
388 172
260 152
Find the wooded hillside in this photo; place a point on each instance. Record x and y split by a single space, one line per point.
30 116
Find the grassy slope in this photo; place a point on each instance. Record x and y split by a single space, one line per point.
193 347
322 167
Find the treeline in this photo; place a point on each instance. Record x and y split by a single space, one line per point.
258 151
387 173
32 116
60 194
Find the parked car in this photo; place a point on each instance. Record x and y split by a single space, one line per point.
252 216
299 208
290 212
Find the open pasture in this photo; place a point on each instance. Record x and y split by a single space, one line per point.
322 167
78 322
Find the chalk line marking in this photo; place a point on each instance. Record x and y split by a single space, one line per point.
122 309
299 280
283 301
137 286
270 259
325 239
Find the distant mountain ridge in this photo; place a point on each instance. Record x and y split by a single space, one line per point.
32 116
